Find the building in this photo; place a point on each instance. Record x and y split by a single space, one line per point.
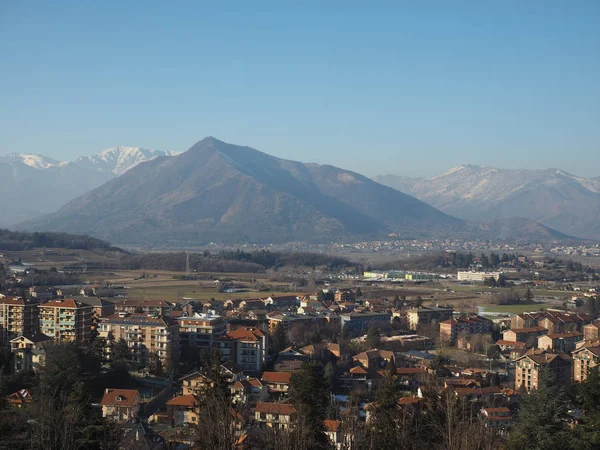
276 415
281 301
374 359
356 322
344 295
477 276
246 346
121 405
183 410
591 332
288 319
151 307
527 335
450 329
201 330
17 317
528 367
67 320
585 359
143 334
553 320
560 342
277 383
426 315
28 351
102 307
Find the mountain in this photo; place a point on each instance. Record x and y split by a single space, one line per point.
554 198
222 192
118 160
35 184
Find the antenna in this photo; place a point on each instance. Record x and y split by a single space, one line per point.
187 263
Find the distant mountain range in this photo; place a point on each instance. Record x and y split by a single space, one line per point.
35 184
227 193
554 198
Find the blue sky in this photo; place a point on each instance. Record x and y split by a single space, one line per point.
412 88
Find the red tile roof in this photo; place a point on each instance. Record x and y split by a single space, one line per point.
63 303
119 397
275 408
276 377
246 334
184 400
332 425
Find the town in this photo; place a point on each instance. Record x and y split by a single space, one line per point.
339 367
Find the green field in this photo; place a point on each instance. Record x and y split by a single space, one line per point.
514 309
175 293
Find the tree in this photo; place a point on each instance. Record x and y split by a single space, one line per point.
310 396
542 420
419 302
529 296
359 292
120 352
372 337
278 338
329 375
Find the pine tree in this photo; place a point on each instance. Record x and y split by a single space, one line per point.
542 420
278 338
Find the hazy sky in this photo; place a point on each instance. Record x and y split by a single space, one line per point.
412 88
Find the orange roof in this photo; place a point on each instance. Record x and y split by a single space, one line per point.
497 410
332 425
19 397
276 377
359 370
62 303
275 408
409 400
14 301
119 397
184 400
246 334
409 370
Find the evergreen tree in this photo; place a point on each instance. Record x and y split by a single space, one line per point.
542 420
278 338
310 396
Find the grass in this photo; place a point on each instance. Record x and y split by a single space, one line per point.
514 309
175 293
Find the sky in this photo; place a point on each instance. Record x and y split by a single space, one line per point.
411 88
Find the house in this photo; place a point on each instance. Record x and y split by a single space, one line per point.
121 405
507 345
281 301
411 377
373 360
591 332
277 383
19 399
195 383
344 295
248 391
251 303
183 410
333 430
497 418
29 353
276 415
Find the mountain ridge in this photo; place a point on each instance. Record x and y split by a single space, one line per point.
552 197
221 191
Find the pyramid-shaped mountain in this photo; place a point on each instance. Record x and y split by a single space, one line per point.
227 193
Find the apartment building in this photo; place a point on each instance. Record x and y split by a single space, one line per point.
149 307
584 359
247 347
361 321
17 317
144 335
67 320
560 342
554 321
529 366
526 335
450 329
427 316
28 351
201 330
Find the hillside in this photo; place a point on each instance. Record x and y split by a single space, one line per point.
554 198
221 192
35 184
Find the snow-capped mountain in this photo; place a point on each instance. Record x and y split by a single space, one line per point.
36 184
118 160
553 197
